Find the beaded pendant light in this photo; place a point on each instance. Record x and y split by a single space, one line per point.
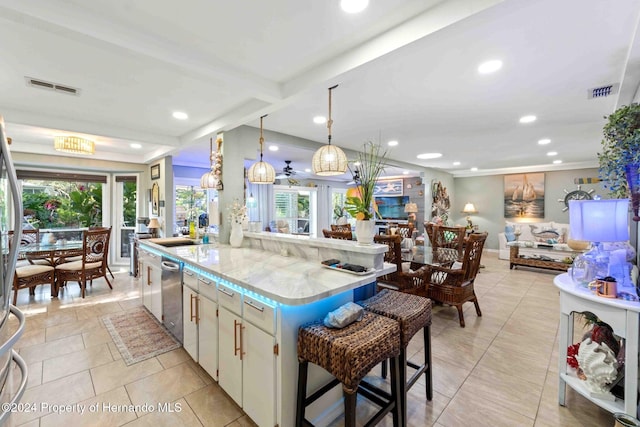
261 172
329 160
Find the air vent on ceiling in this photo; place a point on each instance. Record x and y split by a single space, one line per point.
41 84
602 91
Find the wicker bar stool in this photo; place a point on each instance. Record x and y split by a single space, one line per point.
413 313
349 354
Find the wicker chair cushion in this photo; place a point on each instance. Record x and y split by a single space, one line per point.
30 270
350 353
77 265
412 312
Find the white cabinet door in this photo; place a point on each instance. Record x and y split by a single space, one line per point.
229 349
258 375
189 323
208 336
145 278
156 290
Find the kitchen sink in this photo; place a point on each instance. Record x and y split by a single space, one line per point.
170 242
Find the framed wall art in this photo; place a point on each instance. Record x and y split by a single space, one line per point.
155 171
392 187
524 195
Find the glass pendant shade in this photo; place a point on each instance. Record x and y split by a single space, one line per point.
329 160
261 173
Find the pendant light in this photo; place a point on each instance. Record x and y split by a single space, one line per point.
261 172
209 179
329 160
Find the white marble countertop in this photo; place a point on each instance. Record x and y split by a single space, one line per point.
286 279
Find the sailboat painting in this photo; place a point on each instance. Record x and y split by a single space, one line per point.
524 195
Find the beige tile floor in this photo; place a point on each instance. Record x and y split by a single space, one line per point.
501 370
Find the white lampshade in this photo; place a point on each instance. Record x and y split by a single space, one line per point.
469 208
411 208
261 173
329 160
599 220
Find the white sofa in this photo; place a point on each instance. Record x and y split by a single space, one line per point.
553 233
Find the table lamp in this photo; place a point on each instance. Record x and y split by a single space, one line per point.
153 226
601 222
412 210
469 208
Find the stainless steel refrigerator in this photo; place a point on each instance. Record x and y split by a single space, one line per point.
12 386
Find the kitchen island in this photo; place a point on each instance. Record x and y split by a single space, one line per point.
251 301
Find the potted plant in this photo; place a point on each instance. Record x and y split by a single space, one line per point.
360 201
620 156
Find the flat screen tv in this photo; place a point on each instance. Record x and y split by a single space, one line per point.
392 207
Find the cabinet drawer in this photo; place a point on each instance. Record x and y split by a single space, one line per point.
260 314
229 298
190 278
207 288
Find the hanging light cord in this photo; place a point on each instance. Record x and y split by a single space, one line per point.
330 121
261 137
211 152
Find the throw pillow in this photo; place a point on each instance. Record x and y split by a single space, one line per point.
509 233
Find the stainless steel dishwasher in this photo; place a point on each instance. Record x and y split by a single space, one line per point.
172 296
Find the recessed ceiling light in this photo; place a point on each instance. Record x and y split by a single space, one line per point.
425 156
528 119
490 66
392 143
557 162
354 6
544 141
135 145
552 153
456 163
273 148
356 163
473 169
319 120
405 172
307 170
180 115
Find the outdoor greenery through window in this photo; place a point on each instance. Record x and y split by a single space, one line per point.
292 208
191 204
65 204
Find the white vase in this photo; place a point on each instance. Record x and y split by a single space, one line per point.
365 231
236 236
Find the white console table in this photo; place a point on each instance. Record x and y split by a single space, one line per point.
622 316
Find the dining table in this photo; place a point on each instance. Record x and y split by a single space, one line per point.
54 253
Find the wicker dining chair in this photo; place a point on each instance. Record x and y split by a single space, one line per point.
28 237
342 235
93 265
27 275
447 243
408 274
454 285
340 227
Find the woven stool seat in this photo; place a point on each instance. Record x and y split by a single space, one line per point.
412 312
349 353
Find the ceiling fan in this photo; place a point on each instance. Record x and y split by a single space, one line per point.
287 171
